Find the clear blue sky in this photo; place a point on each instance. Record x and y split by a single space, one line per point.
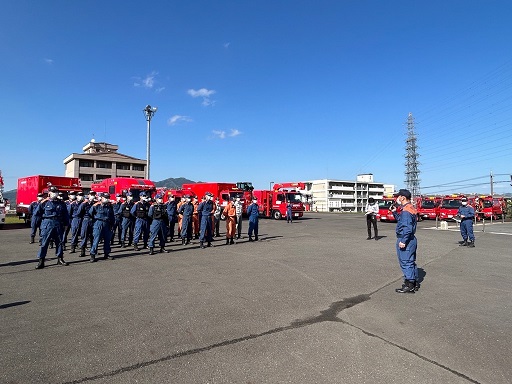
261 90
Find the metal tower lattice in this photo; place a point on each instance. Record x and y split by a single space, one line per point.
412 170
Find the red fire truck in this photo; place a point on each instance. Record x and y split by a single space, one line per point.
450 206
30 186
490 207
428 207
273 203
385 213
122 185
224 191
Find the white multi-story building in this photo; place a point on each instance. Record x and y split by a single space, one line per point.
102 161
329 195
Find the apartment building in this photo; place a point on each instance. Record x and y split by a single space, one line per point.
102 161
329 195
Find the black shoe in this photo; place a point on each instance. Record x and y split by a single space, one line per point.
136 247
64 247
82 252
376 238
464 244
163 250
145 246
471 244
73 249
238 237
60 261
183 241
202 245
416 286
151 250
123 245
369 238
255 238
32 240
227 241
209 244
250 238
407 287
93 259
171 240
231 242
40 264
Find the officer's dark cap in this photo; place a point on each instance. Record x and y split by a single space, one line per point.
72 193
405 193
53 189
105 195
40 195
92 193
159 196
464 199
80 194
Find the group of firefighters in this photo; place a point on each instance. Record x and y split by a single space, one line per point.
94 218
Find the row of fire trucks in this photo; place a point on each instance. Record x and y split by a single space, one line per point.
272 203
446 207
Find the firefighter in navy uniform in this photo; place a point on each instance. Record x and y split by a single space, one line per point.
206 209
54 214
187 211
172 215
86 225
102 214
128 220
117 206
253 213
158 228
35 221
76 220
406 243
140 210
466 214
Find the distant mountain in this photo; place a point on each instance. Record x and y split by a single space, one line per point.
173 183
11 196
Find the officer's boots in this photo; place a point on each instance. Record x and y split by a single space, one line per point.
32 240
464 244
73 248
136 247
209 244
163 250
40 264
471 244
92 259
227 240
232 241
82 252
151 250
407 287
376 235
182 241
256 238
202 245
250 238
60 261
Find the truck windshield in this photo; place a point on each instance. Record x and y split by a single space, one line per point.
428 204
385 204
487 204
451 203
293 197
245 185
234 195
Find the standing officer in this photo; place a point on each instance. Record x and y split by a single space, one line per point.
86 225
187 211
54 214
216 216
371 211
206 210
102 214
195 217
76 220
172 215
140 211
406 242
289 214
230 214
253 213
158 214
117 206
467 214
71 198
239 207
35 221
128 220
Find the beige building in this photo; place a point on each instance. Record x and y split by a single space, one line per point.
102 161
343 195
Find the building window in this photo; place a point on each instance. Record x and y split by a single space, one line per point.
123 166
138 167
104 164
86 163
85 177
101 177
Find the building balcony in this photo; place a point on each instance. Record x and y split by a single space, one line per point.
340 188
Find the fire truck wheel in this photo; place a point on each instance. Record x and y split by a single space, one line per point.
277 215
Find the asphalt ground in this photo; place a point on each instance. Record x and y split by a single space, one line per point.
311 302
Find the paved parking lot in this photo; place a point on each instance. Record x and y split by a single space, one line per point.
312 302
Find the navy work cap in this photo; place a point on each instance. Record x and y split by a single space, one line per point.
405 193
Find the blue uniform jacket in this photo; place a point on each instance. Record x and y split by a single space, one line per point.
32 207
83 209
171 209
140 206
53 210
205 208
102 212
468 212
187 209
252 212
118 208
158 212
406 223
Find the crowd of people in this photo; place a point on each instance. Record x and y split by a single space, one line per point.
91 219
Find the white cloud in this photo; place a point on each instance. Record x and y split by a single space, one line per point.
146 82
158 90
235 132
226 45
204 93
220 134
48 61
177 118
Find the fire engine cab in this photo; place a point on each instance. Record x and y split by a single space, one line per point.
450 206
385 213
489 207
428 207
122 185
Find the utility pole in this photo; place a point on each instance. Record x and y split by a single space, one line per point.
492 184
412 171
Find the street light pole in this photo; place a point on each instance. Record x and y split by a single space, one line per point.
271 185
149 111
